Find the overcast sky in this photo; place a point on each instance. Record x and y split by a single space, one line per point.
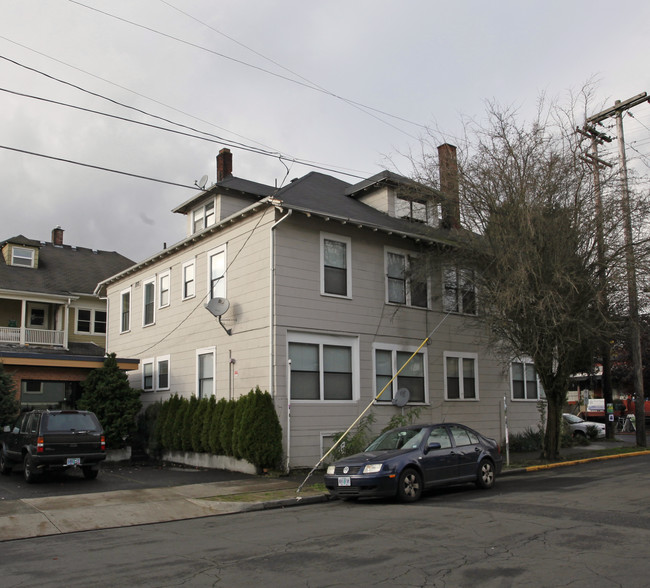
338 83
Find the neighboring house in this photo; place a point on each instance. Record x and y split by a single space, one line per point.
52 326
317 299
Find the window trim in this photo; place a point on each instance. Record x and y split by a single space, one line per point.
461 355
93 321
459 296
205 351
149 361
348 264
159 360
395 349
184 281
408 256
31 258
217 251
332 340
128 313
540 391
203 217
145 283
161 277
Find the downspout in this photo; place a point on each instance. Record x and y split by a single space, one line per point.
66 324
272 327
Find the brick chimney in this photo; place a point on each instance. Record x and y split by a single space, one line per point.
224 164
57 236
448 165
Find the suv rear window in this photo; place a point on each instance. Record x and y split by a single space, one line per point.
66 421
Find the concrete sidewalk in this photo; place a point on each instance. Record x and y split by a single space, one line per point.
35 517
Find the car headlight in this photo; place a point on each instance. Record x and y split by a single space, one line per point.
330 470
372 468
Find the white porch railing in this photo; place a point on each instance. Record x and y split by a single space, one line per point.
32 336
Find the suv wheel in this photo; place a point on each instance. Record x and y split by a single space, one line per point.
5 466
29 470
90 473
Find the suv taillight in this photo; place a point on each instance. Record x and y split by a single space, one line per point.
103 443
40 445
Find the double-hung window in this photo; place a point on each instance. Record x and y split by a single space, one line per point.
335 265
412 377
162 373
205 372
461 376
203 217
459 290
164 285
189 284
217 273
22 256
91 321
125 311
323 368
147 375
406 281
148 302
525 385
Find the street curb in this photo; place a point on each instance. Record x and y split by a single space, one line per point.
288 502
559 464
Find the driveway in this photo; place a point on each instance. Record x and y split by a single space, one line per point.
112 477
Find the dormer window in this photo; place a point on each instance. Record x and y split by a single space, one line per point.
22 256
416 210
203 217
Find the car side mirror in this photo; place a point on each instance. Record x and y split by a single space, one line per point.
431 446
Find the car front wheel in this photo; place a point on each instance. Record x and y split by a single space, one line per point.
486 474
409 488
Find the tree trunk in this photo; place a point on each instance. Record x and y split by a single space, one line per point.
555 402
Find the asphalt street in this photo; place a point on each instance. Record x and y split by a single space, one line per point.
582 526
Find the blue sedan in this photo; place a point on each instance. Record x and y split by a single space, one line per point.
403 462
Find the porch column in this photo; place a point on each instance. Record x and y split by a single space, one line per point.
23 321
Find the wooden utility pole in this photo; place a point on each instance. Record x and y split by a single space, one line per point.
630 262
592 158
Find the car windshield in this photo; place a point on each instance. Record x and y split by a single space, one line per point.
570 418
397 439
66 421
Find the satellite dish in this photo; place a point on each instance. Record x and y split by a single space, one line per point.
402 397
201 183
218 306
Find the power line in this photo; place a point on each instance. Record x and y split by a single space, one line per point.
230 142
98 167
307 80
309 85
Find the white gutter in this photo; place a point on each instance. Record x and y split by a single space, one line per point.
272 327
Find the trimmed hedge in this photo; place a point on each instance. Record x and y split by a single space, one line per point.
247 428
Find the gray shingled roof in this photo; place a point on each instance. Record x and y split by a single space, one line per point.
62 270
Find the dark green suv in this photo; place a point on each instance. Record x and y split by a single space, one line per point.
42 440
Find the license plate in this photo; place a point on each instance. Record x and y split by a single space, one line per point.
344 481
73 461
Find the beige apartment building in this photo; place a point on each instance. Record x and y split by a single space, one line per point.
314 291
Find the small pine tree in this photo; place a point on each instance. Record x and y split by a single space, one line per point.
174 404
206 424
159 427
107 393
179 419
188 419
9 405
197 424
261 433
238 424
225 427
215 428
